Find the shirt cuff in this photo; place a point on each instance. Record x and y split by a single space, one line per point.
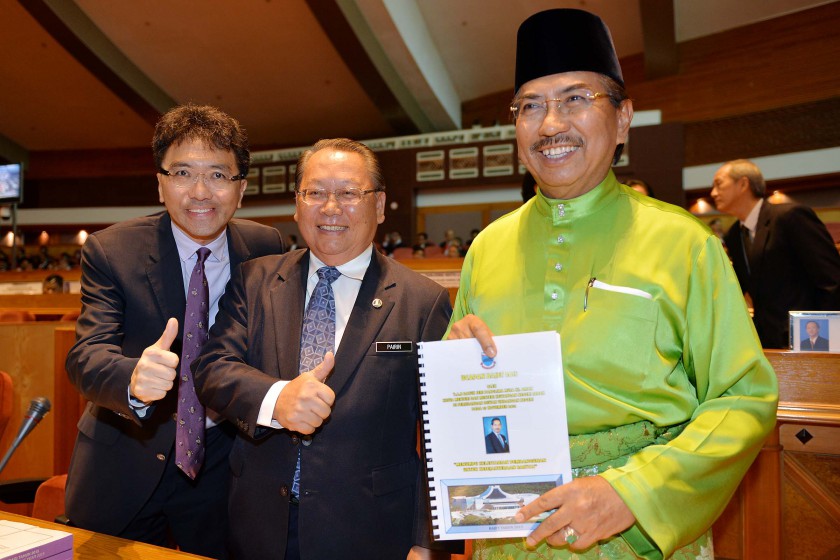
139 407
266 415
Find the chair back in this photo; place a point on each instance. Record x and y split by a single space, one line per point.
403 252
49 499
15 316
70 316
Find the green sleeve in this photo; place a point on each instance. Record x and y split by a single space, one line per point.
737 395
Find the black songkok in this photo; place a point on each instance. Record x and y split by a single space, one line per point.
564 40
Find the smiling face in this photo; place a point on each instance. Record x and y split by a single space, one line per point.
199 211
337 233
570 154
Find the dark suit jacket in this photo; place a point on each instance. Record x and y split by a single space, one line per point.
362 493
820 345
131 284
793 266
493 445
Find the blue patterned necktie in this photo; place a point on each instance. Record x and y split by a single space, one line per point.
317 336
189 433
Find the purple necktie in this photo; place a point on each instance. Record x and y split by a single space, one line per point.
317 336
189 436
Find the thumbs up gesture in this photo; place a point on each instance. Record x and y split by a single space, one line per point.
305 402
154 374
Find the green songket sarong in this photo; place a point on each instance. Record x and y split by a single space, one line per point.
592 454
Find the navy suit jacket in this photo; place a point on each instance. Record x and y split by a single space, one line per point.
362 490
131 285
820 345
792 266
493 445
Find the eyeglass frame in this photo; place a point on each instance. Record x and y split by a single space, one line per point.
332 194
167 173
560 104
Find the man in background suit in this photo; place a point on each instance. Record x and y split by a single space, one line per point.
495 441
123 479
325 462
782 253
813 342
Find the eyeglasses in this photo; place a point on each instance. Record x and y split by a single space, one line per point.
348 197
185 178
574 102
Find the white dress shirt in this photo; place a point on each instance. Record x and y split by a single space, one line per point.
346 290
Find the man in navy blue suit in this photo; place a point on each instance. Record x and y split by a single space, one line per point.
495 441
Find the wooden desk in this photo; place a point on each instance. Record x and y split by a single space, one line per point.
788 505
45 307
88 545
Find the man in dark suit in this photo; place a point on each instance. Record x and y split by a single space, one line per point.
782 253
123 479
495 441
813 342
325 462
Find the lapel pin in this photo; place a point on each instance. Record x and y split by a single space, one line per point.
377 303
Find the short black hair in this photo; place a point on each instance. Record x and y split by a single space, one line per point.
205 123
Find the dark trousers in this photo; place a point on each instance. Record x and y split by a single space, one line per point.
191 515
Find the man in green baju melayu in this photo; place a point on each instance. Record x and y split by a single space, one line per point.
669 395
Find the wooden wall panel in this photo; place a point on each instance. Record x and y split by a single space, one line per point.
776 63
764 89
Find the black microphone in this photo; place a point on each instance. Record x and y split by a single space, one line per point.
38 408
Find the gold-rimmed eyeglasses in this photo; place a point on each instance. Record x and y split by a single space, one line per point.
350 197
533 109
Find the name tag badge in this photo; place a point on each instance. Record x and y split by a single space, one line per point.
404 347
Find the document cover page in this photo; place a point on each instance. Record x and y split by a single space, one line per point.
496 435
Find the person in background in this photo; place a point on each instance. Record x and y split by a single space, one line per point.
127 476
783 255
53 284
313 356
448 238
292 242
422 241
453 249
669 396
473 234
45 261
641 187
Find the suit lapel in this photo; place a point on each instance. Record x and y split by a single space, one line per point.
761 233
238 251
365 321
163 266
287 298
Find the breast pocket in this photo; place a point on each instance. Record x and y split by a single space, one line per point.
614 338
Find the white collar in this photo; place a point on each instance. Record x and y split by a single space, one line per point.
354 268
752 218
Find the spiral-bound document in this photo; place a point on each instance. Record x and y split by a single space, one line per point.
495 432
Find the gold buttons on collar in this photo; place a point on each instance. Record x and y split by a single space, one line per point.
377 303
